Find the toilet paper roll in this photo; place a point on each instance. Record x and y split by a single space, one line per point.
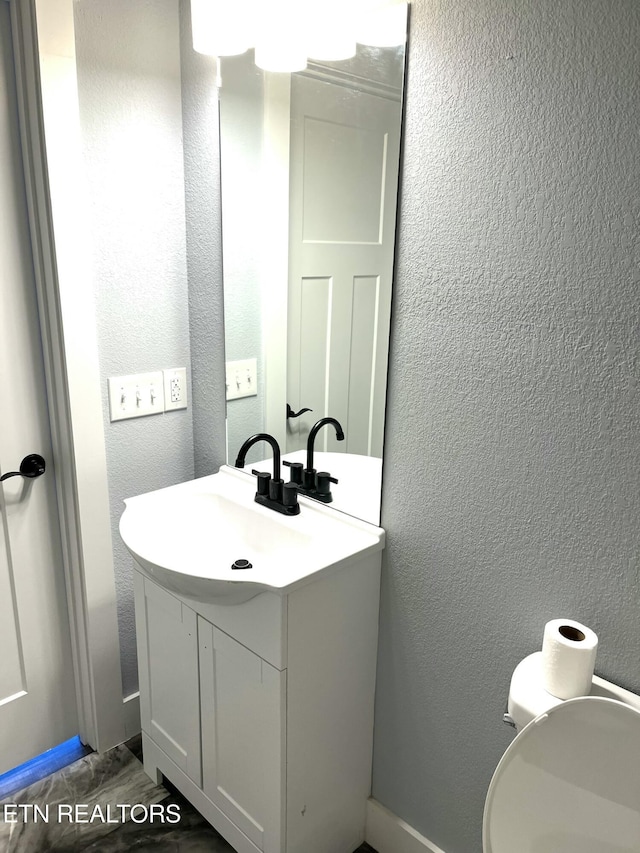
568 658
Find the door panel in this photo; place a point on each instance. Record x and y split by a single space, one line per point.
37 690
362 375
309 327
12 681
343 203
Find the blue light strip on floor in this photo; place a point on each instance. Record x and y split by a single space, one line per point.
42 765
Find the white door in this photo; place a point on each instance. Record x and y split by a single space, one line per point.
344 179
37 693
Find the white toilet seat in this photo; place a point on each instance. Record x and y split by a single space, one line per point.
569 783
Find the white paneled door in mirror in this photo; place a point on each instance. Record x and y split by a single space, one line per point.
310 165
343 183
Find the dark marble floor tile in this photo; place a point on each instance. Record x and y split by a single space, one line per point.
135 745
191 835
107 780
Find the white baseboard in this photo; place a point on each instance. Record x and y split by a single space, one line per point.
132 724
387 833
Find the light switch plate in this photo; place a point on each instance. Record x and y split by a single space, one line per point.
242 378
136 396
175 388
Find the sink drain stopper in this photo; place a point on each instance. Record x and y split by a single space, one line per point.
241 564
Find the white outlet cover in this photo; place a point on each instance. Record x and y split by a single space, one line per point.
175 388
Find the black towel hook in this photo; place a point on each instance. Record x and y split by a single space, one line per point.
32 466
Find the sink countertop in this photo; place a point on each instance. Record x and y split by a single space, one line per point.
187 537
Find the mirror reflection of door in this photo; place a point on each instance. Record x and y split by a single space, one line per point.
309 191
343 183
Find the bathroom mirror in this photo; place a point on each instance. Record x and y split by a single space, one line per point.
309 173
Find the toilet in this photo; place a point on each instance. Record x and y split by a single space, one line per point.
570 780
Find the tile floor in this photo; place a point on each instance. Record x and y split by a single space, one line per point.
106 780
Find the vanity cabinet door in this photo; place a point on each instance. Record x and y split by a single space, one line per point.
168 664
243 741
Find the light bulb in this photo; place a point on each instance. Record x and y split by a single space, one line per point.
331 46
279 43
329 27
280 55
383 26
219 27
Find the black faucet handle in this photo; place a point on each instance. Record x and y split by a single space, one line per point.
290 495
309 478
296 471
264 478
323 482
275 490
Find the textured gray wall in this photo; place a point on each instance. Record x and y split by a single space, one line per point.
511 486
511 479
240 333
204 249
130 110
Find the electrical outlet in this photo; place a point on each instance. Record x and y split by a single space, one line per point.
242 378
136 396
175 388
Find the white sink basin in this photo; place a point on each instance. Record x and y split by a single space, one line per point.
187 538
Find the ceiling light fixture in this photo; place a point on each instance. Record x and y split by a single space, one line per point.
383 26
287 32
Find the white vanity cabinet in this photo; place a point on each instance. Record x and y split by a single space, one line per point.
169 692
261 713
242 706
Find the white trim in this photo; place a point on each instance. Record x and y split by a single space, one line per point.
70 357
387 833
132 723
339 77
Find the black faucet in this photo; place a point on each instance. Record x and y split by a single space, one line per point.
315 429
272 491
315 484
